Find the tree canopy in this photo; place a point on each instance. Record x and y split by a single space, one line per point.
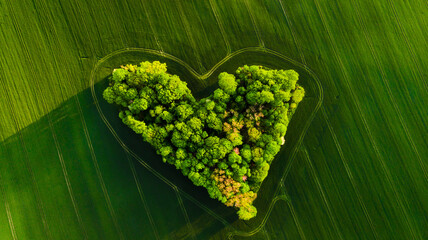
224 142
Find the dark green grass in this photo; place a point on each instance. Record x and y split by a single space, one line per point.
236 22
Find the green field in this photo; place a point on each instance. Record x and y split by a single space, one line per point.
359 171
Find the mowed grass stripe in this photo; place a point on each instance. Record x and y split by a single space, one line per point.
66 178
64 172
149 21
221 26
323 112
273 27
103 14
10 220
350 176
124 196
411 96
23 207
52 43
281 214
49 36
256 28
141 193
5 119
190 37
238 27
203 28
296 220
88 194
293 34
28 168
56 45
321 191
186 216
98 172
31 78
6 218
171 30
390 94
60 212
387 171
332 172
63 167
408 44
162 202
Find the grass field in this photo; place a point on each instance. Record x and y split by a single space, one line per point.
361 171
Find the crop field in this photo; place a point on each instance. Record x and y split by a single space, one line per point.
355 162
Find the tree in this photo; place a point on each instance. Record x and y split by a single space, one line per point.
184 111
298 95
246 153
181 153
138 105
119 75
253 97
195 123
227 82
247 212
234 158
266 97
254 134
260 172
214 122
235 138
109 95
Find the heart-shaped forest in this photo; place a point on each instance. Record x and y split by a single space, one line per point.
225 142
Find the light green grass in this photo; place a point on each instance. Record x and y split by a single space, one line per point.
361 171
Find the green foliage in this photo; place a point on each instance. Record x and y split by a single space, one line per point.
224 142
119 75
109 95
227 82
253 134
298 94
247 212
259 173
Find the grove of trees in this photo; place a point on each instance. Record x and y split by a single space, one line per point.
225 142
